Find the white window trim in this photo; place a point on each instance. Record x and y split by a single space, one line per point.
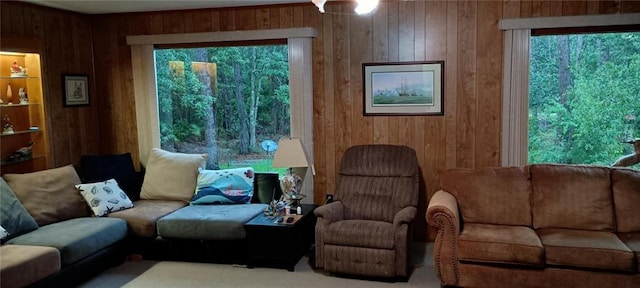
300 83
515 77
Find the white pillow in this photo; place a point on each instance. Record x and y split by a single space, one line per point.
104 197
3 233
171 176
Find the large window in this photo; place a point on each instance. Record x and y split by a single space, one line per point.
583 97
231 102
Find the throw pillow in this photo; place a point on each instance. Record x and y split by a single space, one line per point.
97 168
49 195
104 197
227 186
171 176
13 216
3 234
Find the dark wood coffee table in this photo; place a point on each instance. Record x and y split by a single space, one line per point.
280 245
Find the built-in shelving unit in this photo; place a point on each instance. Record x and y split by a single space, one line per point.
23 106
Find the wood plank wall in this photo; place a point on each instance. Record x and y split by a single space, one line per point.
462 33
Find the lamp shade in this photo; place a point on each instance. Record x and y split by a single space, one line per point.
290 154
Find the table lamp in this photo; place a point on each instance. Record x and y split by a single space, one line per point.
291 154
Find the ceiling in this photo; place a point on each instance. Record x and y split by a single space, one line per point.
119 6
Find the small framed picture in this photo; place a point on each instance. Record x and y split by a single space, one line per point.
75 90
403 88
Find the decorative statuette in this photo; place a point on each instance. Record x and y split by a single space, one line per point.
17 70
24 153
23 96
7 127
9 94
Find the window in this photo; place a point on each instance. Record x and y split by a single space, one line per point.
583 97
231 102
300 83
515 90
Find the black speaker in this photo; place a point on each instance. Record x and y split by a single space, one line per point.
266 187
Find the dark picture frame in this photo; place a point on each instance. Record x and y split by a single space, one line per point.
403 88
75 90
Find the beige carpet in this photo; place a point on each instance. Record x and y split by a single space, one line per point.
184 274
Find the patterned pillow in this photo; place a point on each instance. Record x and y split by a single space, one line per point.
104 197
228 186
3 234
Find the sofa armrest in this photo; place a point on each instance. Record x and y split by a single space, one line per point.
405 216
443 214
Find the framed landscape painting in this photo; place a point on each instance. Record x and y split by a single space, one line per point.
403 88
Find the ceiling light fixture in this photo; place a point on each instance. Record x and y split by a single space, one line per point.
364 6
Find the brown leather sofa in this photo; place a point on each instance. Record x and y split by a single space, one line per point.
540 225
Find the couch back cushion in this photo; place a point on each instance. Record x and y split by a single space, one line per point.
50 195
626 197
491 195
13 217
171 176
572 196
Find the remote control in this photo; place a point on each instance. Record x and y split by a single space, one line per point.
290 220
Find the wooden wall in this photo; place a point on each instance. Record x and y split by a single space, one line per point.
462 33
66 48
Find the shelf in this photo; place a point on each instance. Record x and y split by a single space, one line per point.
5 163
20 132
18 77
17 105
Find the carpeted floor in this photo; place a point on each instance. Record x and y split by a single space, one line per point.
159 274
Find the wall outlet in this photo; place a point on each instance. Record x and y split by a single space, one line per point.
329 198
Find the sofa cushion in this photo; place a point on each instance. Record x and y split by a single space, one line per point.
586 249
500 244
13 216
491 195
360 233
626 196
225 186
76 238
572 196
171 176
632 240
50 195
96 168
23 265
104 197
208 222
142 218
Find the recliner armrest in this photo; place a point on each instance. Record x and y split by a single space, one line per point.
331 212
405 216
443 214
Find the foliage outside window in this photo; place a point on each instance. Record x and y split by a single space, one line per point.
584 97
224 101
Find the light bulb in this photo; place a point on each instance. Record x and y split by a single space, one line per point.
366 6
319 4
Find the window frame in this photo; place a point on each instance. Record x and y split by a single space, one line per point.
300 82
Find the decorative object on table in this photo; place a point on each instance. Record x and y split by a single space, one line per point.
17 70
23 96
291 154
630 159
76 90
9 94
403 88
24 153
7 127
275 208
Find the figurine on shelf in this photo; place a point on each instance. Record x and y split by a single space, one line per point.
24 153
23 96
9 94
7 127
17 70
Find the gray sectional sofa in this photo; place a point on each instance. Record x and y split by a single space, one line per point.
56 241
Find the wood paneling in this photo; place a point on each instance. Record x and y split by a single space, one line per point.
462 33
